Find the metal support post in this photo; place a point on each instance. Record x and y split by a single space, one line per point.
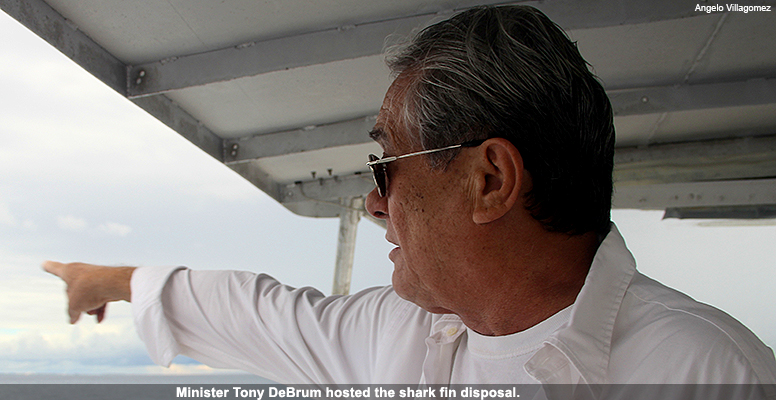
346 243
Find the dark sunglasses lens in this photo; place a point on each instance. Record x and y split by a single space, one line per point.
379 175
380 178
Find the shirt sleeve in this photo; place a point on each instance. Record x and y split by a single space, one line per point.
241 320
146 287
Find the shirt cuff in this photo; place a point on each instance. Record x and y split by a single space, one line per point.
147 284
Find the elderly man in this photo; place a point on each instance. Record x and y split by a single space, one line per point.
495 185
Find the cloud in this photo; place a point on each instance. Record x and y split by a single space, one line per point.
71 223
115 229
113 342
29 225
6 217
184 369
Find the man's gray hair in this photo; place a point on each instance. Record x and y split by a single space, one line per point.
510 72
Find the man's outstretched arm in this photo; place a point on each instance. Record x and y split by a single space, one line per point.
91 287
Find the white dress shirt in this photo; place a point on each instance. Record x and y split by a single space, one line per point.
623 328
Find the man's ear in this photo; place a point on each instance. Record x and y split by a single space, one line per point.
498 181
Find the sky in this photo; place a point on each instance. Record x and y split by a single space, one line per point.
85 175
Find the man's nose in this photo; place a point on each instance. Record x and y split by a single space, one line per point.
375 205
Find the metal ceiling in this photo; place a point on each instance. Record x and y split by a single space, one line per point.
284 91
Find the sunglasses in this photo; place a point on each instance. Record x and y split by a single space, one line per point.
379 166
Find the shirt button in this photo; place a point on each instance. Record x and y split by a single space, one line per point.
452 331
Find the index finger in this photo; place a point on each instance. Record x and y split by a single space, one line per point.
53 267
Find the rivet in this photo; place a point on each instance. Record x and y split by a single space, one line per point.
140 75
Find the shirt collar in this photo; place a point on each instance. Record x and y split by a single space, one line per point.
586 341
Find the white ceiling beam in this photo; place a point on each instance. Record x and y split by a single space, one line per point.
713 160
366 39
696 194
309 138
255 58
660 99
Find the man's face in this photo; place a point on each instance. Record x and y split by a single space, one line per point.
422 209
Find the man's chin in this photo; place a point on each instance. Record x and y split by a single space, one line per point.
412 296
